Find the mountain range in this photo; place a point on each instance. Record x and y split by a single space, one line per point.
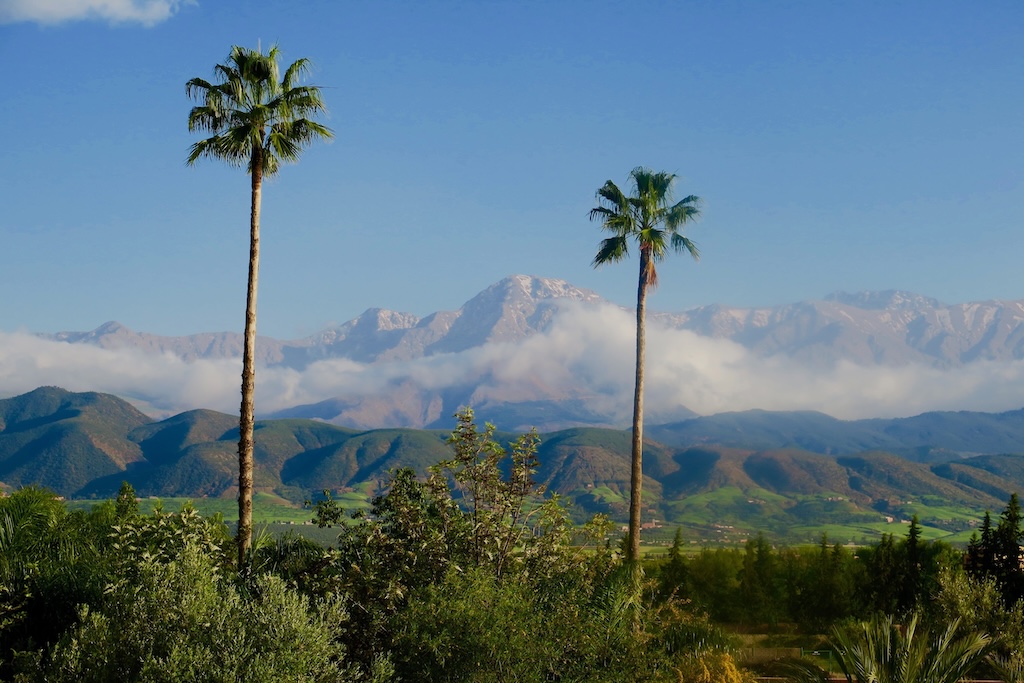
741 468
891 329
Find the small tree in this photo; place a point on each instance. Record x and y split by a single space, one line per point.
758 584
126 505
997 553
1007 556
913 553
480 521
672 573
500 508
885 575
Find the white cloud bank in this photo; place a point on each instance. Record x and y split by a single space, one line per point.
145 12
587 352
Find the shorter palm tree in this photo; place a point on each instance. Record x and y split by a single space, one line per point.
880 651
1010 669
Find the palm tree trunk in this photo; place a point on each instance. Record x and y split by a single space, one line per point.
248 410
636 467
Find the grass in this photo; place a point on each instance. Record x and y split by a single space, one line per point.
272 514
604 494
267 508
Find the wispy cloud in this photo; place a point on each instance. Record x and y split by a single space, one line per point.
587 352
145 12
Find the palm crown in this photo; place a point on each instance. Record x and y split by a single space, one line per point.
257 120
648 216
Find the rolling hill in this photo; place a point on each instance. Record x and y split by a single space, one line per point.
85 445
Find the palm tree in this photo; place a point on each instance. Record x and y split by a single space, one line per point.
879 651
256 121
649 218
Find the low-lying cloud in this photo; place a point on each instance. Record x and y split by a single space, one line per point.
586 353
145 12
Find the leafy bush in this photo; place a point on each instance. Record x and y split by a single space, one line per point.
711 667
50 562
181 620
475 627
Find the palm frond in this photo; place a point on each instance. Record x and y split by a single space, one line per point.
614 222
295 71
1009 669
203 148
880 651
205 118
197 86
613 196
612 249
682 212
682 244
657 186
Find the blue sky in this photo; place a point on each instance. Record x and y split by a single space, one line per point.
837 146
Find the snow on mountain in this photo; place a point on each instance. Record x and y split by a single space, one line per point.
889 328
457 360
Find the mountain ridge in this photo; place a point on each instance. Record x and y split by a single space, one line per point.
889 329
520 305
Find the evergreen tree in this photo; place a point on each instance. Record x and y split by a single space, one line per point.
911 584
997 553
758 586
978 559
1007 555
672 573
885 576
987 564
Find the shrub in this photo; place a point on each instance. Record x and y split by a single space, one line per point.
181 620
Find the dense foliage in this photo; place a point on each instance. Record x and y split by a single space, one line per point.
474 574
811 586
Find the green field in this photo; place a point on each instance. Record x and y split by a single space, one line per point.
724 517
267 508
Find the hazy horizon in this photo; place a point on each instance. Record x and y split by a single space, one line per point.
586 352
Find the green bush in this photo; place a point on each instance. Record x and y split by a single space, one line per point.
181 620
51 561
474 627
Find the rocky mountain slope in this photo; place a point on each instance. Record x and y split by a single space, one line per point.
508 311
890 328
887 328
874 329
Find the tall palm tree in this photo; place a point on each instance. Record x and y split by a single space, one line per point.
258 119
650 218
